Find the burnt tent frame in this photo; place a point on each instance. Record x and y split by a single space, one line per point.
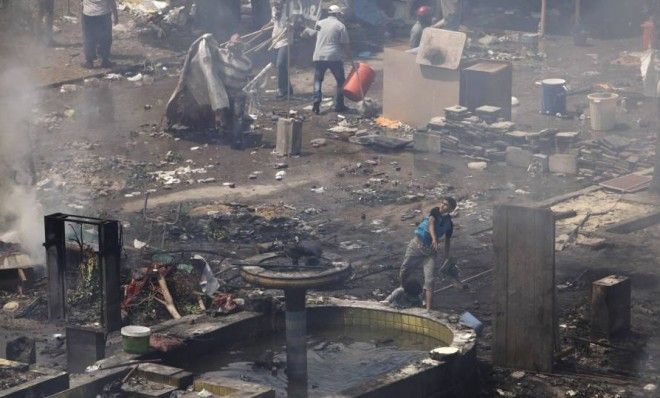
110 237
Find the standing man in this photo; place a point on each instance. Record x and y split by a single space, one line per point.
452 14
423 249
45 21
332 46
281 50
97 30
424 17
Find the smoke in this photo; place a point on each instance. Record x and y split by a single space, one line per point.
21 214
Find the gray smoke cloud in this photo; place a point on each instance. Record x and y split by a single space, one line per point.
21 214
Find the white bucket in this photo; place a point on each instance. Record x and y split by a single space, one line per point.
602 107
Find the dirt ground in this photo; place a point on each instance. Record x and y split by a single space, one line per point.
97 146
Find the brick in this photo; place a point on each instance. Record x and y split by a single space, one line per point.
563 163
518 157
169 375
610 306
428 141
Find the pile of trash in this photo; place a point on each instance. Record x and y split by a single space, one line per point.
159 19
171 287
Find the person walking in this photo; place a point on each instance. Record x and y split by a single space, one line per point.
97 30
332 47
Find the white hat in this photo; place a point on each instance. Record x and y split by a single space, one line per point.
334 9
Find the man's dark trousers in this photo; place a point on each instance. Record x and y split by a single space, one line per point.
97 33
337 69
282 65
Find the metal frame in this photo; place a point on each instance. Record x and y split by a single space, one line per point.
109 255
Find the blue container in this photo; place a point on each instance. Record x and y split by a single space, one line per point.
471 321
554 96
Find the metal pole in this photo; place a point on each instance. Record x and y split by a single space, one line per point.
655 183
296 341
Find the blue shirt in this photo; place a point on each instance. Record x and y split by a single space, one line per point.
443 226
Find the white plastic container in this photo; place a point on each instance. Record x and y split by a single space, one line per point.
602 108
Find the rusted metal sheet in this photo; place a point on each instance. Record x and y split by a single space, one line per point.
628 183
15 261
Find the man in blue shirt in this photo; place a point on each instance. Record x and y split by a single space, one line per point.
423 249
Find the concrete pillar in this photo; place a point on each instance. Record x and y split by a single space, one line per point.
289 137
84 346
655 183
610 306
296 342
525 325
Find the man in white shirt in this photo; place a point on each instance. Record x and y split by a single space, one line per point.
97 30
332 47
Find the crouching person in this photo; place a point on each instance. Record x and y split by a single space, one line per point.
423 251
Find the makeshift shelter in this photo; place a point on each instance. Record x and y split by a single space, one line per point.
211 81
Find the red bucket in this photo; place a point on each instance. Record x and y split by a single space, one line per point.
358 82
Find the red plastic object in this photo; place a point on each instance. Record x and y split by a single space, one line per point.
648 34
358 82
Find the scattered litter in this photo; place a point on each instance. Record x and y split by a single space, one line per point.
206 180
518 374
318 190
515 101
135 78
10 306
113 76
229 184
280 175
477 165
138 244
194 148
281 166
68 88
521 192
318 142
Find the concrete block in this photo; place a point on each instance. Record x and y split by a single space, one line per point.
436 123
563 163
289 137
456 112
489 113
147 390
224 386
518 157
427 141
169 375
22 349
84 346
610 306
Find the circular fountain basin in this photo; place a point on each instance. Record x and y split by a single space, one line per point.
296 277
371 333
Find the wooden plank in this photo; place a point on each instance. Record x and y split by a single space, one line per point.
525 324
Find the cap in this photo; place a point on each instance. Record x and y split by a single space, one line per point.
423 11
334 9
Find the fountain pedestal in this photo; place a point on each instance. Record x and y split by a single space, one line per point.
295 284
